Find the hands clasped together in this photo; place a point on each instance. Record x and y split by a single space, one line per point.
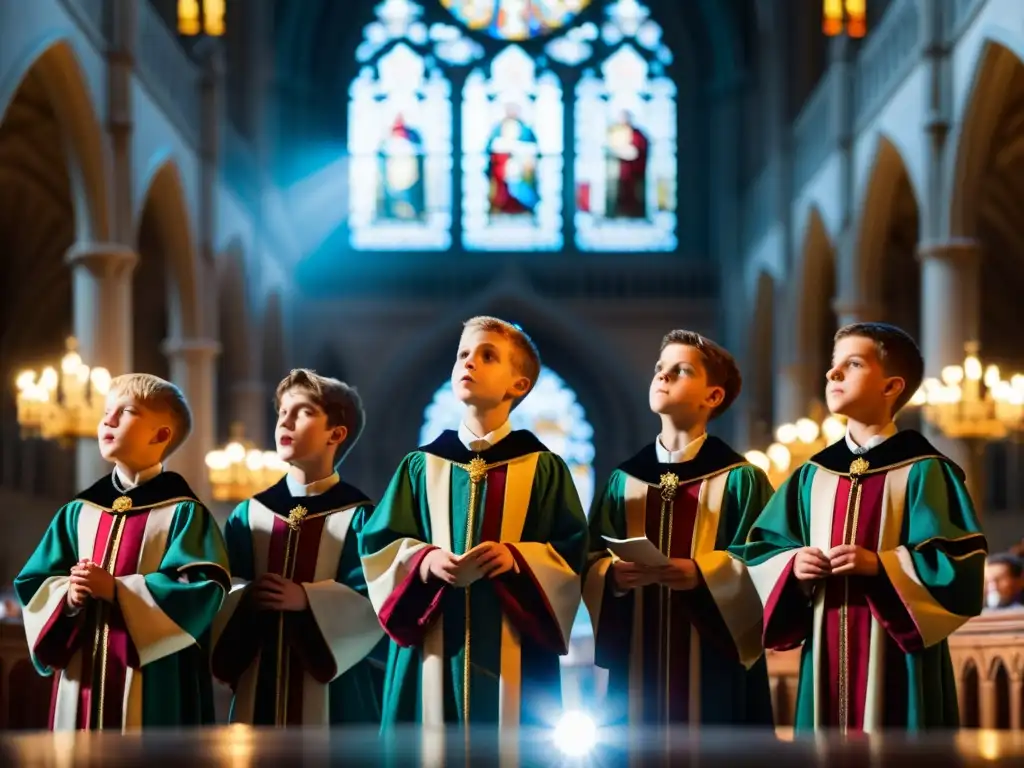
272 592
89 579
487 559
811 564
680 574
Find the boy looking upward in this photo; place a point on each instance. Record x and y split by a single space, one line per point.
871 554
119 595
474 554
682 642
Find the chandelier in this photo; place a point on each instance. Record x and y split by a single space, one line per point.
795 444
62 405
853 12
196 17
971 401
240 470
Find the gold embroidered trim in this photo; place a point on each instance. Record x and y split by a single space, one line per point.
689 480
132 508
876 470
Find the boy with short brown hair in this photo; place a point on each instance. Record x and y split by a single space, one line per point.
871 554
666 630
293 637
127 579
474 554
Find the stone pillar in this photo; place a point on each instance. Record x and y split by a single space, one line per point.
120 64
855 311
193 368
101 279
250 405
794 395
950 292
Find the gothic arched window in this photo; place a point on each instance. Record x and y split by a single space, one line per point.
400 131
512 148
625 123
514 161
551 411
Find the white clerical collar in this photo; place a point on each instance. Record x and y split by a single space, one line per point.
295 488
888 431
688 452
124 483
475 443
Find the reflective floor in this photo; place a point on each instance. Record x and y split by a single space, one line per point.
239 747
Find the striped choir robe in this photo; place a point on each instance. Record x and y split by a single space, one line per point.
874 647
489 653
141 660
309 667
690 656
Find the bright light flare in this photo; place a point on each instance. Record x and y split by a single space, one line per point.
576 734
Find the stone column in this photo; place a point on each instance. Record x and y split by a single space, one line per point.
855 311
794 393
193 367
950 292
101 280
250 405
120 65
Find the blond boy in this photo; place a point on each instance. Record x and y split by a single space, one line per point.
473 557
120 594
292 639
871 554
681 641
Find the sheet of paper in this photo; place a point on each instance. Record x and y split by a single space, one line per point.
640 550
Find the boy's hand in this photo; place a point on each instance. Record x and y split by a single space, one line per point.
681 573
78 594
810 564
489 558
632 576
441 565
96 581
276 593
851 560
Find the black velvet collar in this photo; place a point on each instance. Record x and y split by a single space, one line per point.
714 456
279 500
905 447
158 491
521 442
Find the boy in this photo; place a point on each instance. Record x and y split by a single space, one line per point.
682 642
474 554
870 554
293 637
120 594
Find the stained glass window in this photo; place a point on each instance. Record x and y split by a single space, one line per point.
625 119
515 19
551 411
512 155
400 131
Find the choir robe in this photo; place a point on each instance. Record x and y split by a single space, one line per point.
487 654
681 656
874 648
305 667
143 659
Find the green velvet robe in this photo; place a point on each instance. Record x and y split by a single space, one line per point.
507 633
681 656
309 667
874 647
142 660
